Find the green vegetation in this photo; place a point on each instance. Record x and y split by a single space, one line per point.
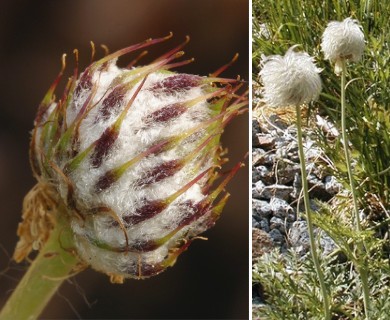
291 286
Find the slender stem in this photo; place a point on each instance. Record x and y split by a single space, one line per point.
47 272
361 268
305 187
346 151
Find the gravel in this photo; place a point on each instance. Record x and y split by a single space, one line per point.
276 190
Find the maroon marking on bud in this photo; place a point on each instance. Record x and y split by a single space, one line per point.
146 212
143 246
85 82
148 270
162 171
70 199
166 113
176 83
141 269
105 181
112 102
198 210
160 146
103 146
144 270
114 224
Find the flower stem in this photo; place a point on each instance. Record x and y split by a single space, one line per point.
50 268
305 187
361 268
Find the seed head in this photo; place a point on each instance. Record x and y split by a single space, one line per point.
289 80
133 153
343 41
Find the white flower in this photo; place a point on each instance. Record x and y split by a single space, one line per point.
290 80
343 40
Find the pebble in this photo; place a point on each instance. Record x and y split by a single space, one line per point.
263 173
265 142
287 172
261 208
298 236
257 189
280 207
332 186
258 156
262 243
276 236
299 239
264 225
255 130
274 190
278 223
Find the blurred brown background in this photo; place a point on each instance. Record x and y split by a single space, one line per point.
211 279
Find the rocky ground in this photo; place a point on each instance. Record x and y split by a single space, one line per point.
276 186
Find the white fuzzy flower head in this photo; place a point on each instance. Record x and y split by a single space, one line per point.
132 153
343 41
290 80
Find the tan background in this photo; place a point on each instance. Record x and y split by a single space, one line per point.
211 279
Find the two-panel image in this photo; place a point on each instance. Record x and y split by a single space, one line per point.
222 159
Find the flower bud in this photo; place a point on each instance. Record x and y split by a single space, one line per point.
289 80
134 153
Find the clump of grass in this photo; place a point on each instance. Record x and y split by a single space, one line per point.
286 23
292 288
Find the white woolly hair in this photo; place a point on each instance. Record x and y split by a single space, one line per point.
290 80
343 40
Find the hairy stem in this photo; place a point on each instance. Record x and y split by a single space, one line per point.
50 268
313 251
361 267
